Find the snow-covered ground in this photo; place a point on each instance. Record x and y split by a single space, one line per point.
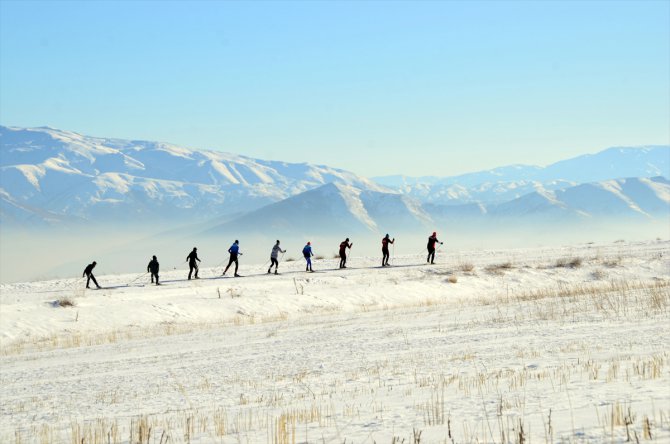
533 345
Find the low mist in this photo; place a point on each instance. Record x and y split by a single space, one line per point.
50 253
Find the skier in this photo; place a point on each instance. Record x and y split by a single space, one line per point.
432 240
307 252
88 272
273 257
191 258
153 269
234 251
343 252
385 249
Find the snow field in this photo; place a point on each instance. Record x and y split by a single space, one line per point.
544 344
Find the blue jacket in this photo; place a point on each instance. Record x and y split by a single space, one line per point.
307 251
234 249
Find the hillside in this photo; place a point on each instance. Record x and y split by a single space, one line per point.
74 177
575 337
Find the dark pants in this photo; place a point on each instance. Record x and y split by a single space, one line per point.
192 266
431 255
385 259
154 275
275 262
233 259
343 260
91 278
309 263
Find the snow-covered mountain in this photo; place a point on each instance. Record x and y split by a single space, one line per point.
511 182
48 175
336 208
621 200
333 208
58 177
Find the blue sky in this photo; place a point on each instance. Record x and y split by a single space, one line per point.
418 88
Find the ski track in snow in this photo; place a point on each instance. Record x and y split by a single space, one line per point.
358 355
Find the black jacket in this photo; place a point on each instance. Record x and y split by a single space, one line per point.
192 257
89 269
153 266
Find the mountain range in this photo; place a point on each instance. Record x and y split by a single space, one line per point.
54 177
49 176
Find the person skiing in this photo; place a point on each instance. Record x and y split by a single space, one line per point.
153 269
385 249
432 240
343 252
88 272
273 257
307 252
234 251
192 258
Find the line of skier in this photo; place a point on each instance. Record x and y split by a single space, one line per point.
234 251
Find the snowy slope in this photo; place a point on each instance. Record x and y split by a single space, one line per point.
552 345
105 179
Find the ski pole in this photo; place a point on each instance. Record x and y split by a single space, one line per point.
141 275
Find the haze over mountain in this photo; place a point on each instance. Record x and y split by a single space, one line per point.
66 199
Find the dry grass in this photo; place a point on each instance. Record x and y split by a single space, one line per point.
466 267
569 262
65 302
614 299
452 279
499 268
598 275
612 262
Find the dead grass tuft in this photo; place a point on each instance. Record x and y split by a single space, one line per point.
612 262
569 262
499 268
65 302
466 267
599 275
452 279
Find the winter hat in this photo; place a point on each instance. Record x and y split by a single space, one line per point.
434 233
309 243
